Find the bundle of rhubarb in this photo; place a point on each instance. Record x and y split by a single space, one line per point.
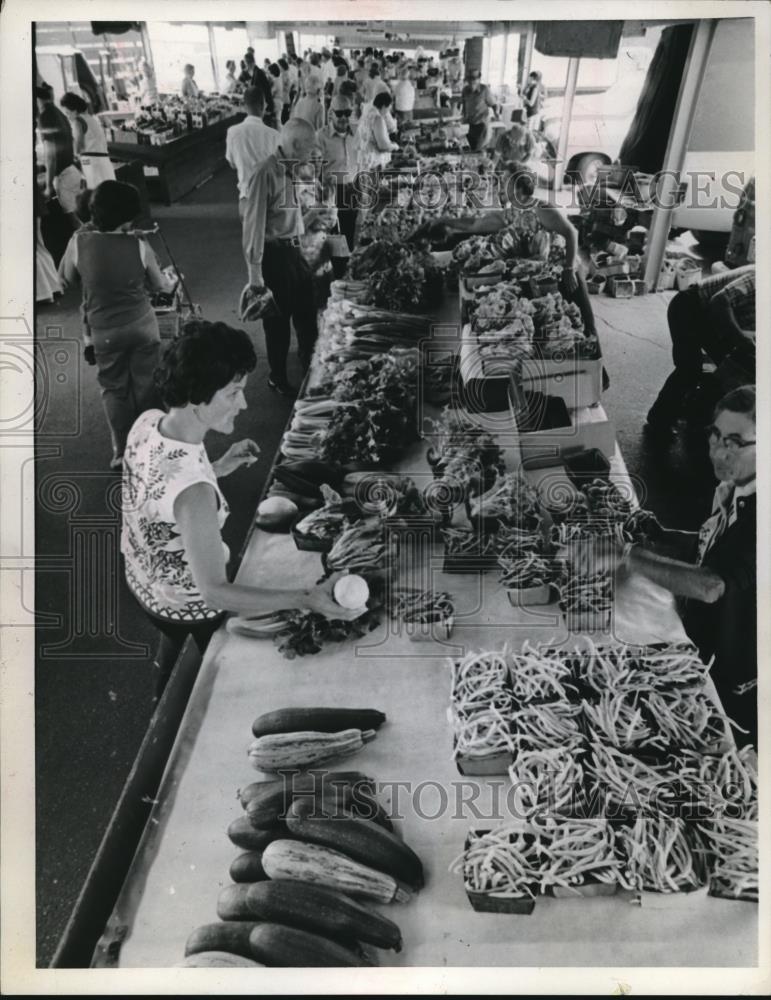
358 329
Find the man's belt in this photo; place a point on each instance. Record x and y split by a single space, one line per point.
292 241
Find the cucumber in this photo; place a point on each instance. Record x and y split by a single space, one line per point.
227 935
244 835
233 903
320 720
279 945
247 867
321 910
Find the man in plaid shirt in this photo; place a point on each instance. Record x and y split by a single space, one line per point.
716 316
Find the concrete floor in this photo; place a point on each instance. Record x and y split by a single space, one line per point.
93 685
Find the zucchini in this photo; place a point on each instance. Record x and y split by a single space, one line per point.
322 720
302 862
281 751
359 839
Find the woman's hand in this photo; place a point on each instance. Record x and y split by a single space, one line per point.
321 600
570 278
241 453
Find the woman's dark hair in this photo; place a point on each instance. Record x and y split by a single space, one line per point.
72 102
348 88
230 64
274 70
522 181
204 357
283 64
113 203
382 100
741 400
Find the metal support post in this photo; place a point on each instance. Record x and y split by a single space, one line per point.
669 180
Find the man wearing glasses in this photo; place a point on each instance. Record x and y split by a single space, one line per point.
338 153
477 101
719 585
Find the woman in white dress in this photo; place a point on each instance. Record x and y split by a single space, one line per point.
374 147
90 141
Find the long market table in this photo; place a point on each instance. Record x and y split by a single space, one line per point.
182 861
178 167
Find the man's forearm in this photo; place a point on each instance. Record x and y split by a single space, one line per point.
675 543
678 577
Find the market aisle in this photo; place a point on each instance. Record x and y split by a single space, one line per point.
93 690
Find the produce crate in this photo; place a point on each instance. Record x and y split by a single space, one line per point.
481 767
484 902
529 596
460 562
586 427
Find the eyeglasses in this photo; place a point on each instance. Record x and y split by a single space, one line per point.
343 113
732 443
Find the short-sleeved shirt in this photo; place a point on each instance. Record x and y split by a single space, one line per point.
55 128
477 104
737 288
156 469
246 146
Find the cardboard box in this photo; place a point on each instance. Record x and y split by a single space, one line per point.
588 427
577 381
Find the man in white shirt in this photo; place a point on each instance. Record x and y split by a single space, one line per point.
404 96
249 143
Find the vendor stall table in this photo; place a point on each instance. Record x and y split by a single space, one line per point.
183 859
178 167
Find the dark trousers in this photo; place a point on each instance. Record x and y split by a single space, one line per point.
173 636
476 134
289 278
693 329
345 199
